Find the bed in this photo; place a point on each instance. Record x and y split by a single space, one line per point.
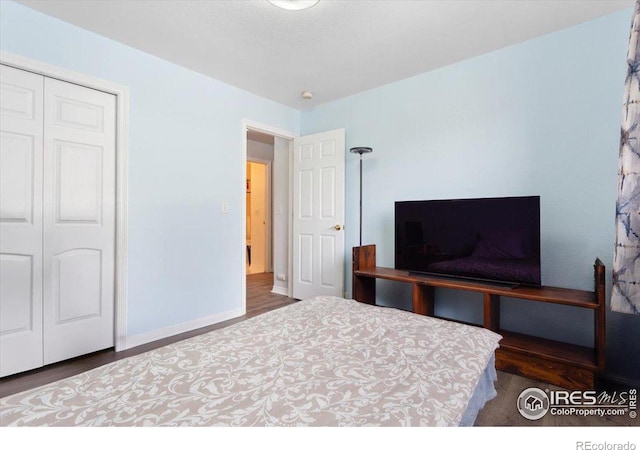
324 361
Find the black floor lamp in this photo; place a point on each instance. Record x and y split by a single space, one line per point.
360 151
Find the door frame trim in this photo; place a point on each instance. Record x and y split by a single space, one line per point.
122 171
247 125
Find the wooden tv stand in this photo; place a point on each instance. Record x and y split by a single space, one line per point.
558 363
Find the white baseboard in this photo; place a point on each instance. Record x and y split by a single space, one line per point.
280 290
145 338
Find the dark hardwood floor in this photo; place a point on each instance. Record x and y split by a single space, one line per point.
501 411
259 300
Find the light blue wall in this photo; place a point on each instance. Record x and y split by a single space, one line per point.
538 118
185 256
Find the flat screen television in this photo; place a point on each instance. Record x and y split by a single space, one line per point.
488 239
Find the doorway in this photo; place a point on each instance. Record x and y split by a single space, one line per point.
322 155
268 147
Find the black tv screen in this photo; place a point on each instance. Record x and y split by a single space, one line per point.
489 239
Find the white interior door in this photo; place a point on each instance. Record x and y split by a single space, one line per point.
21 95
79 220
318 214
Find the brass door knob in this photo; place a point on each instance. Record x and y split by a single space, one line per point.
339 227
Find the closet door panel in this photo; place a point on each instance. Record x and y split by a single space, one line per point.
21 158
79 220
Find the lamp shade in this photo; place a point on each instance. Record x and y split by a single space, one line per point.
361 150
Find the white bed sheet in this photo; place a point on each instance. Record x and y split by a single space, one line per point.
484 392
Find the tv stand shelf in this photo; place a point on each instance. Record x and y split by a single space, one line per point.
559 363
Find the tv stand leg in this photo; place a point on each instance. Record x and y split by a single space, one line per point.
492 312
423 299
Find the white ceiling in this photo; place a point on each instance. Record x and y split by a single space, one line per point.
334 49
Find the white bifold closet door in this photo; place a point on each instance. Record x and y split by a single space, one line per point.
21 150
79 220
57 288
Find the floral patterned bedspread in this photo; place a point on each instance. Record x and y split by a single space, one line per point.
325 361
